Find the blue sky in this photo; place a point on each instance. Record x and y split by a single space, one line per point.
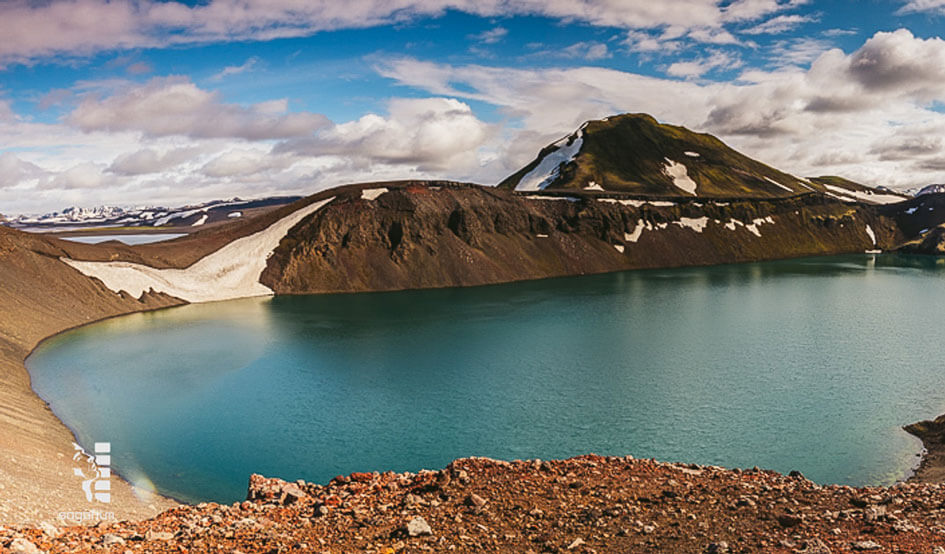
167 102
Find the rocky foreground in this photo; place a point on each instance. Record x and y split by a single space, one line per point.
585 504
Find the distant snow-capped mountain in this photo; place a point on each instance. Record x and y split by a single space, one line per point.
145 216
930 189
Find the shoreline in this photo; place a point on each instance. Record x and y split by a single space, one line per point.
127 501
117 476
931 465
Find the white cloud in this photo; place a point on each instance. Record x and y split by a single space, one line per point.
85 175
779 24
591 51
748 10
490 36
431 133
34 30
236 69
14 171
244 162
147 160
175 106
931 6
701 66
797 51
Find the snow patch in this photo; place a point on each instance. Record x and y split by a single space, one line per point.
869 231
871 197
593 186
697 224
547 169
777 184
372 194
692 154
912 210
619 248
752 227
677 172
201 221
539 197
634 203
637 231
231 272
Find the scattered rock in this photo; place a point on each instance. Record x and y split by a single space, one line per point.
418 526
815 546
720 547
23 546
789 520
475 500
158 535
577 542
49 529
866 545
291 493
112 539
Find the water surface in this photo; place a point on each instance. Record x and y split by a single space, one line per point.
130 239
810 365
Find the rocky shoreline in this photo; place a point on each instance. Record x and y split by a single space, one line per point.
585 504
931 468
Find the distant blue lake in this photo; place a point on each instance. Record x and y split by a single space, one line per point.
809 365
140 238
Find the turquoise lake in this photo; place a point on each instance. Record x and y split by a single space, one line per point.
810 365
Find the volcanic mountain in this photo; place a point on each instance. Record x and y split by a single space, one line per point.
635 154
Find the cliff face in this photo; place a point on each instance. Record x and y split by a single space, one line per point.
442 235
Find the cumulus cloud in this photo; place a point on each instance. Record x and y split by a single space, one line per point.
14 171
244 163
85 175
82 27
901 63
432 133
147 160
175 106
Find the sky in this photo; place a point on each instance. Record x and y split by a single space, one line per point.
168 103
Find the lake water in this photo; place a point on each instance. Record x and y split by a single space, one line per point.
809 365
140 238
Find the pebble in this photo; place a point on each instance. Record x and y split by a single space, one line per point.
717 548
112 540
23 546
418 526
49 529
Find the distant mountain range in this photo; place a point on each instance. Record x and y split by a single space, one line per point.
186 216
